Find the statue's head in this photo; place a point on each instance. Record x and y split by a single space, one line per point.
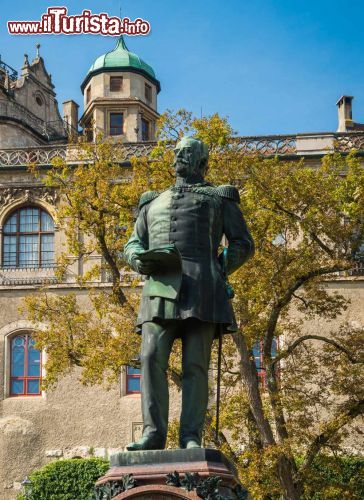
191 157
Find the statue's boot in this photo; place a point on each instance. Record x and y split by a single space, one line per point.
146 443
189 442
192 444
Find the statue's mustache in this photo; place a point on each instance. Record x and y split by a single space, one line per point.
181 160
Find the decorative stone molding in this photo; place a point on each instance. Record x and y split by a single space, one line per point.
9 195
20 325
27 276
25 156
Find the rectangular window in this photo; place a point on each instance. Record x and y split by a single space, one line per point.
132 380
88 94
29 220
47 252
148 93
116 83
29 250
116 123
145 130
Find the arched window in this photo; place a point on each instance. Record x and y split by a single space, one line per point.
25 366
28 238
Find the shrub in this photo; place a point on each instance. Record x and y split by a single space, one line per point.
72 479
335 478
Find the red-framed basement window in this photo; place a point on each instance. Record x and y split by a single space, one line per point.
258 358
132 380
25 367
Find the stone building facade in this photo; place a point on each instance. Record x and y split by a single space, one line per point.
120 100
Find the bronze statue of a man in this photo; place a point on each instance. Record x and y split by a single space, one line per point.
189 300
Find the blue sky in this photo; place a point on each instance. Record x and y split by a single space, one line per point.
271 66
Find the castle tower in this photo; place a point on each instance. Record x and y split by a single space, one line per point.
120 97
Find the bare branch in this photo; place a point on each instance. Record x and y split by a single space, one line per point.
284 354
303 300
322 245
284 300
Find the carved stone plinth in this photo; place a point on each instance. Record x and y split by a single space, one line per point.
170 474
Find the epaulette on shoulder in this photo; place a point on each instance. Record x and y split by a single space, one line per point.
230 192
147 197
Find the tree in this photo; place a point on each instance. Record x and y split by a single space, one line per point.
308 225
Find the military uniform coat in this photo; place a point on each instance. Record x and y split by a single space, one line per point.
194 218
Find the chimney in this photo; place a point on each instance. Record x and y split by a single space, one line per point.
70 115
345 113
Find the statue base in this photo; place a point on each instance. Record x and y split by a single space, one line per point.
170 474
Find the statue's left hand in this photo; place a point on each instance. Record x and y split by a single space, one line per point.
147 267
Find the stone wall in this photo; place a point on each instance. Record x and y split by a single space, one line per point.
16 135
70 421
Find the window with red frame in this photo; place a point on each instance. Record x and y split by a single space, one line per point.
258 358
25 367
132 380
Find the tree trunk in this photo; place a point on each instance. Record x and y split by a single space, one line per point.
285 466
250 377
291 491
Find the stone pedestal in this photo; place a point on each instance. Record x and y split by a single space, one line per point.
170 474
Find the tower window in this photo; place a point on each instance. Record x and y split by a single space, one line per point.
148 93
28 239
116 83
25 367
88 94
145 130
116 123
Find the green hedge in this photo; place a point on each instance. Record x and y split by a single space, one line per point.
335 478
72 479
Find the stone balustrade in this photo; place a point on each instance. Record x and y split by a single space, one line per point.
282 145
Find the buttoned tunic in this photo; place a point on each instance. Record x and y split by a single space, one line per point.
194 219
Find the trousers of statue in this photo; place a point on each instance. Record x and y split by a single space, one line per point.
157 341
